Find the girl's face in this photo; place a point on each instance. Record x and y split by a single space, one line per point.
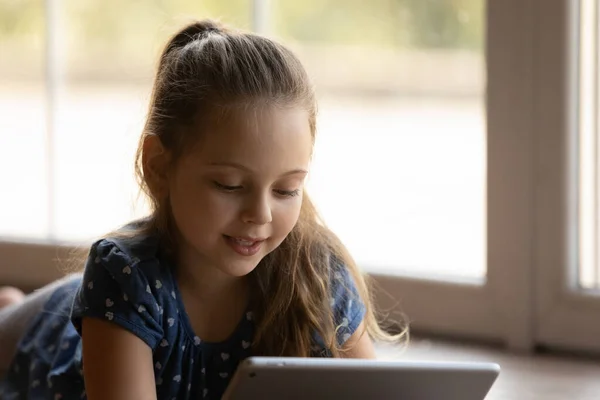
238 193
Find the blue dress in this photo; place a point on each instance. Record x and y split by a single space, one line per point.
128 283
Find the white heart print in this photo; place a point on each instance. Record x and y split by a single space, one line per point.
125 297
223 374
197 340
249 315
346 337
91 285
127 270
225 356
171 321
65 345
148 289
97 260
344 322
173 294
158 365
158 284
164 343
109 303
141 309
177 378
245 344
109 316
35 383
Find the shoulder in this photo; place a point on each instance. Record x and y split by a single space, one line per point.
133 263
348 305
127 256
125 282
126 246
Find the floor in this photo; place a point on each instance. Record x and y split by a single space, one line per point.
523 377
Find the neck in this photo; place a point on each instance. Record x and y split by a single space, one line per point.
206 283
214 301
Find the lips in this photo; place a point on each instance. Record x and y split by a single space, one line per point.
245 241
244 245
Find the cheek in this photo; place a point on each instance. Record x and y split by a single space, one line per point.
198 209
286 217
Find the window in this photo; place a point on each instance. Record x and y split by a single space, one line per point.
400 160
588 149
24 179
402 115
567 306
73 107
457 152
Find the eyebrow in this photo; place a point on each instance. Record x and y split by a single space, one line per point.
244 168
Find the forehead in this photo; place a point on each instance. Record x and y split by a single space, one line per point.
262 139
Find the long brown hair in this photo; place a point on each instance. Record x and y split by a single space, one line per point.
204 69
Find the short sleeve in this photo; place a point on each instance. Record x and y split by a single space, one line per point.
348 307
116 289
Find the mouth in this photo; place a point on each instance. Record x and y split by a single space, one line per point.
245 246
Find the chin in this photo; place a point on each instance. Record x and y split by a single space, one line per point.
239 272
239 268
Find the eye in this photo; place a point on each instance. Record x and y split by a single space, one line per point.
226 188
288 193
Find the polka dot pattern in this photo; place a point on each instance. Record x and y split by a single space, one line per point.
128 285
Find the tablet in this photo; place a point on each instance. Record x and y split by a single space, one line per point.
327 378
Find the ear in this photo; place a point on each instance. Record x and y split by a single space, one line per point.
156 161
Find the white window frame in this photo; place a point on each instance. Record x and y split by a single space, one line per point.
567 317
524 300
501 309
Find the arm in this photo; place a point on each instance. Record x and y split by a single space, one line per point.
359 345
117 364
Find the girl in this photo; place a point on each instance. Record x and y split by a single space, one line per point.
233 260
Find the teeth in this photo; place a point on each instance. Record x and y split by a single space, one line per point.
243 242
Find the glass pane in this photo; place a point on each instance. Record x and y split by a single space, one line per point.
111 48
400 162
589 168
24 193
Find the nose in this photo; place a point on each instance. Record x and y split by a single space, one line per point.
257 210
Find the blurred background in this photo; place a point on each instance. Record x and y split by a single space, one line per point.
400 82
457 156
